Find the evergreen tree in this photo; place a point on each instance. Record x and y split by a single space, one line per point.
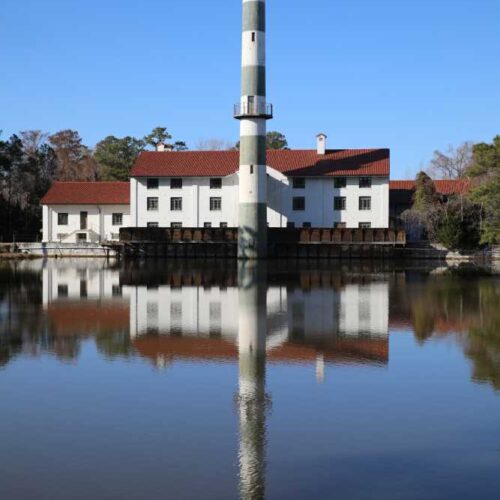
117 156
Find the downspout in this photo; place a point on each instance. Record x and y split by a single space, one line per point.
197 204
100 223
136 203
49 223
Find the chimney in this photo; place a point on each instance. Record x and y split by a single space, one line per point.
160 147
321 144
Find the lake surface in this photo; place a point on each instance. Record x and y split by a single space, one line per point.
189 380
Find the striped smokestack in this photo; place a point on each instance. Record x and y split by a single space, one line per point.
253 111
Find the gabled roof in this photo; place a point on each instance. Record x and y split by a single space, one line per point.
445 187
88 193
293 163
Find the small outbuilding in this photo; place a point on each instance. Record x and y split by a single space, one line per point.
79 212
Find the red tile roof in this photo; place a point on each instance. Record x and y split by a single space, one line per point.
88 193
299 163
446 187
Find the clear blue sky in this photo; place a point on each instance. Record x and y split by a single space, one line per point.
409 75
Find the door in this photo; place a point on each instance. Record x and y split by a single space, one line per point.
83 220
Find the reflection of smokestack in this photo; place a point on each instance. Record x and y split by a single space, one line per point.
252 398
320 368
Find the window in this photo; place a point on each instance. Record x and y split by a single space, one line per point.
216 183
152 224
153 204
251 169
365 225
62 219
340 182
83 220
365 182
207 224
290 225
306 224
175 183
223 224
176 311
299 203
62 291
215 204
365 203
83 289
176 204
253 36
153 183
117 219
339 225
81 237
339 203
176 225
116 291
299 183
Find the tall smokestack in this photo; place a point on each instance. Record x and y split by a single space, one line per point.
253 111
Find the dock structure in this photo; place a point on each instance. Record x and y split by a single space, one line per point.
281 243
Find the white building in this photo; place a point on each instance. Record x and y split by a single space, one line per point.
75 212
318 188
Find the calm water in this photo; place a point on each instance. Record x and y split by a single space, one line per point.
190 380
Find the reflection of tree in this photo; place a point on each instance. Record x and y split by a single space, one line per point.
483 346
114 344
20 315
450 304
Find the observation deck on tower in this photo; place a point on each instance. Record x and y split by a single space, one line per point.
245 110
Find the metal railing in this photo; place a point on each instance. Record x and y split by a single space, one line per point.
253 109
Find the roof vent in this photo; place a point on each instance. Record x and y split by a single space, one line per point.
321 144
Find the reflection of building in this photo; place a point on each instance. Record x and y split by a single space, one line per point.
84 296
313 324
348 324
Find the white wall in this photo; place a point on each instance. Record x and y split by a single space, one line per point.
63 281
319 194
195 194
354 310
99 222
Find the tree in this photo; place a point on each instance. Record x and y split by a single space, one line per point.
459 226
116 156
160 135
425 196
74 160
453 164
274 140
485 174
487 195
424 214
26 168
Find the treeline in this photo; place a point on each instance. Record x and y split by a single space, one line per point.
468 219
32 160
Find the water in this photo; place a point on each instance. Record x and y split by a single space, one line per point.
190 380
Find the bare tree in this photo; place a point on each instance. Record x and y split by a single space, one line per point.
74 160
453 164
32 141
213 144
